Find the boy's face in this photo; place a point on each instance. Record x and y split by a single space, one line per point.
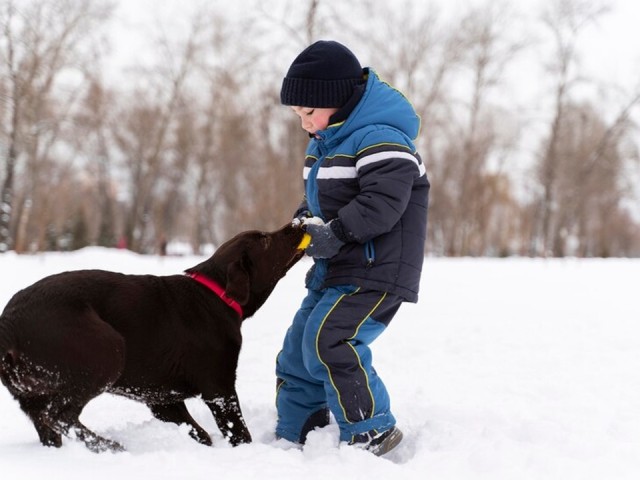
314 119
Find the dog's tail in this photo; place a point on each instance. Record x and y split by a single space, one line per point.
9 358
8 350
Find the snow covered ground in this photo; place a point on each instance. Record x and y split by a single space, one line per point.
506 369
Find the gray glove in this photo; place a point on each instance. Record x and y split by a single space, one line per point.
324 241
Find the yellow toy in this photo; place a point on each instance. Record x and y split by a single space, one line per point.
304 243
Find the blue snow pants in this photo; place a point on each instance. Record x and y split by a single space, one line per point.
325 364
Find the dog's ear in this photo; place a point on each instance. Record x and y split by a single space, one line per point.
238 282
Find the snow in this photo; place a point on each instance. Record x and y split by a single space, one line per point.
505 369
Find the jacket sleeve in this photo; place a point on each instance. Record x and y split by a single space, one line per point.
386 176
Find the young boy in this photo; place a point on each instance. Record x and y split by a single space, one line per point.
365 207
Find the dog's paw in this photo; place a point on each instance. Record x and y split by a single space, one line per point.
100 445
201 436
239 438
96 443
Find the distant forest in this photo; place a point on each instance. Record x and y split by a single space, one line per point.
191 144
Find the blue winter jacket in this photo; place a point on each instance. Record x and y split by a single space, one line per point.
365 171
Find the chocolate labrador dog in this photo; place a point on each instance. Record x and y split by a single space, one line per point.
157 339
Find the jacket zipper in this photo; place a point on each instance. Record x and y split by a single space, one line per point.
370 253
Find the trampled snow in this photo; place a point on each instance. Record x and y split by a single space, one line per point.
505 369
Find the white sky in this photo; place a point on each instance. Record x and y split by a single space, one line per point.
611 49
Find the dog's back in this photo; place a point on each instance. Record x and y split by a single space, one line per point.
82 318
54 324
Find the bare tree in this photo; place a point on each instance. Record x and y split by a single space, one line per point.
93 143
565 19
228 133
474 138
590 183
146 133
43 41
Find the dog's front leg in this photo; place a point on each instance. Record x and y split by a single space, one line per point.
228 416
177 413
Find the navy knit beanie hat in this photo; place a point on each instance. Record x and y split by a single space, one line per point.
322 76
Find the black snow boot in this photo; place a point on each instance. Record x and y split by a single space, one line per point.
378 443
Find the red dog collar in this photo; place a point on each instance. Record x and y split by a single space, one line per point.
218 290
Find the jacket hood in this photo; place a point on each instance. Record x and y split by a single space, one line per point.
381 104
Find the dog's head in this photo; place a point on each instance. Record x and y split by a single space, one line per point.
250 264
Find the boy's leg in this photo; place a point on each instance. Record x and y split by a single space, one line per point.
300 399
336 351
